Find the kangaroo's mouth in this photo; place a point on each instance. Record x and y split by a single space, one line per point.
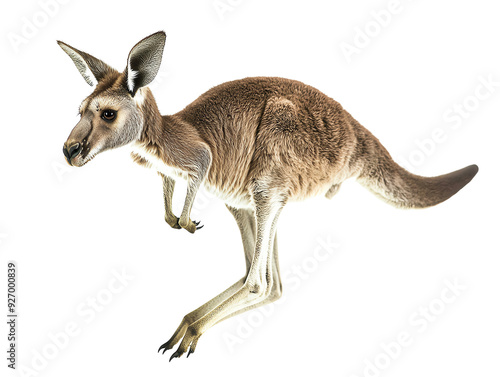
88 155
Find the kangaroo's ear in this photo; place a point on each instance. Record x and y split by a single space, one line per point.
92 69
144 61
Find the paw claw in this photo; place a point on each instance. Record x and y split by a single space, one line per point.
199 227
189 352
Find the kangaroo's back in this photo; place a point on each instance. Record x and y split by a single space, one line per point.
274 127
269 126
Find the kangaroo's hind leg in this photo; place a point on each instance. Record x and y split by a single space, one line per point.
247 224
245 218
259 281
274 294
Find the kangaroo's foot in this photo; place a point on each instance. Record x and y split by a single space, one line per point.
189 337
188 343
179 333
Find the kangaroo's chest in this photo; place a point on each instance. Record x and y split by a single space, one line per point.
220 189
143 157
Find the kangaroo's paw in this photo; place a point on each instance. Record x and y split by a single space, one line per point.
173 221
190 225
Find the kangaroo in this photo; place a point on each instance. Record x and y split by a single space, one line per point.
257 143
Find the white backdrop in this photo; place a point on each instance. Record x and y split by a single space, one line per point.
366 286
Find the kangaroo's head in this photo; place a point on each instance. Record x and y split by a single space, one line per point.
111 116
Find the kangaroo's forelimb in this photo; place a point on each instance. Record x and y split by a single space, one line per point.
194 180
168 192
185 219
172 220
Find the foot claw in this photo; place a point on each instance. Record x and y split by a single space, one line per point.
165 347
175 354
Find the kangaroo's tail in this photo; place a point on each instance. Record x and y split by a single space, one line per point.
387 179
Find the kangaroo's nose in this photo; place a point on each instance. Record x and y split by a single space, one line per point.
71 151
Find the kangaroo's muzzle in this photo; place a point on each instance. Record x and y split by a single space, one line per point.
71 150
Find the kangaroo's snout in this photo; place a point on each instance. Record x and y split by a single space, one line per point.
71 150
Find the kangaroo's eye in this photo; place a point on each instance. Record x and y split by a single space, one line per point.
108 115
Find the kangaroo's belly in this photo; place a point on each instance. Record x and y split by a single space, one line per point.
230 196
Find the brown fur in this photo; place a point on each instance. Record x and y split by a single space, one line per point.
291 135
258 143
